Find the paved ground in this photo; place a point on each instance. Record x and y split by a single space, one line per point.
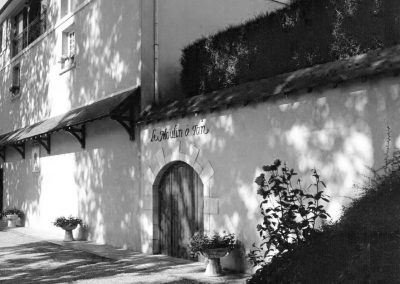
26 257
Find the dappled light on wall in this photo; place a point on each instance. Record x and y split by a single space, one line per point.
57 198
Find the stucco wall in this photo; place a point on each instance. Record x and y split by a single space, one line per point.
99 184
107 61
339 131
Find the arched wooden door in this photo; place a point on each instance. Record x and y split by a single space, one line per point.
181 209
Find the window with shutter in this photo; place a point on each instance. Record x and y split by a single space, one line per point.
71 43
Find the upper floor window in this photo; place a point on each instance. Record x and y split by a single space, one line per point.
16 76
28 24
68 49
16 81
71 43
69 6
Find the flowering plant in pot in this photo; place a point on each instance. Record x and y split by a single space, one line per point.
213 248
12 215
83 231
3 221
67 224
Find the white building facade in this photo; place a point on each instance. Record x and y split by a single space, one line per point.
75 75
92 88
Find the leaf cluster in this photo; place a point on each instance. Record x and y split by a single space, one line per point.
13 210
201 242
70 221
358 247
290 213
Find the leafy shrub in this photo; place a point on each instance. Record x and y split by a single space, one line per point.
201 242
64 222
306 33
362 247
289 213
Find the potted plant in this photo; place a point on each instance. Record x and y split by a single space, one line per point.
67 60
67 224
3 222
20 222
12 216
14 89
213 248
83 231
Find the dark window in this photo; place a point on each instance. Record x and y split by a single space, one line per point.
16 76
28 25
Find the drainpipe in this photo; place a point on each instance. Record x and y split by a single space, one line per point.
156 63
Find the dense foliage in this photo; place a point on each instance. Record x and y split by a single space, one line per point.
289 213
13 211
363 247
201 242
66 222
306 33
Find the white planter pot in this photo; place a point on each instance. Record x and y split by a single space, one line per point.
68 237
12 220
214 264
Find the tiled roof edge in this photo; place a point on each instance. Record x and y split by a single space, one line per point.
360 67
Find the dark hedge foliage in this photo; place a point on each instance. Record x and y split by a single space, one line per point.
307 33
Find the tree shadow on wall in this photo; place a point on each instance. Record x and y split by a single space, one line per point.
32 105
108 184
340 132
108 54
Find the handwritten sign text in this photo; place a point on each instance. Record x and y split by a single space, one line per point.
176 132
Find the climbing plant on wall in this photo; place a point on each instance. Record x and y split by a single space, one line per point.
306 33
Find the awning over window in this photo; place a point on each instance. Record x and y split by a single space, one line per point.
122 108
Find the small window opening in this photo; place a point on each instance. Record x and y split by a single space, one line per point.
16 80
69 6
16 75
68 49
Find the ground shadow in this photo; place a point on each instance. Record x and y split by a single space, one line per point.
50 263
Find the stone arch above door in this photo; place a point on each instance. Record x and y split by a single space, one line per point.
153 170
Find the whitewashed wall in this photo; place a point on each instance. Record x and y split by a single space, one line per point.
339 131
107 61
99 184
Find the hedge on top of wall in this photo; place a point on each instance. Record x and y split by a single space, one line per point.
306 33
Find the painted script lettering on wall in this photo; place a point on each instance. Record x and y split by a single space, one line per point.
177 132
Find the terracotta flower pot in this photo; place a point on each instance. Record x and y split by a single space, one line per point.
214 264
68 237
11 218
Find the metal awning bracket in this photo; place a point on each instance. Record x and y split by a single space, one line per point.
128 124
3 153
126 115
20 147
79 132
45 141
